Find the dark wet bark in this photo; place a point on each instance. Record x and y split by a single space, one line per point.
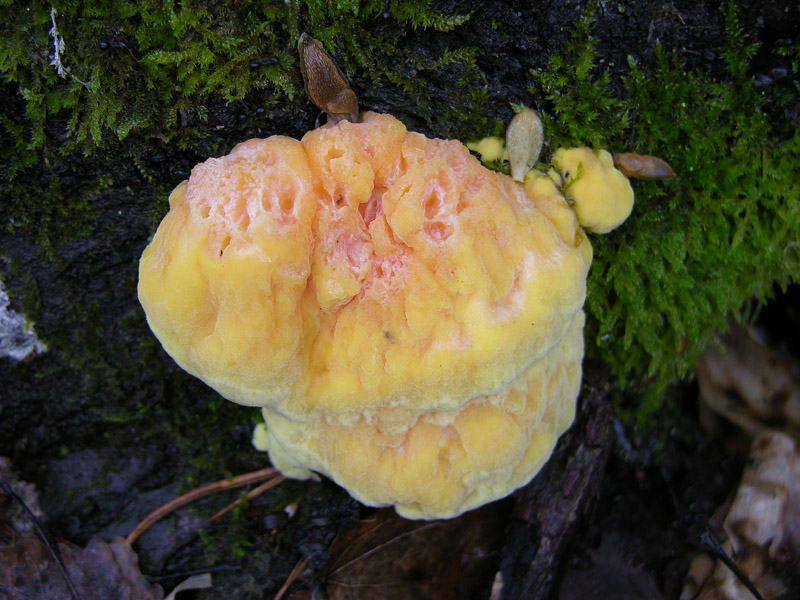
551 513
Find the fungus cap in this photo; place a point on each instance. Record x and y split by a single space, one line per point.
410 322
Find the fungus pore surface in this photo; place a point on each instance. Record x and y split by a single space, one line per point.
410 322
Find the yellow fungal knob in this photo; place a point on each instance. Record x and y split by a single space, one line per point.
490 148
602 197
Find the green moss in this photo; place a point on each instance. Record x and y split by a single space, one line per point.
703 248
142 66
54 210
581 108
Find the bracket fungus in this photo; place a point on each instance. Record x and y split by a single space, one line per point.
410 322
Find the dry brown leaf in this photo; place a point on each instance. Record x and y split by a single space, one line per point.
642 166
99 572
761 530
750 385
30 568
401 559
766 510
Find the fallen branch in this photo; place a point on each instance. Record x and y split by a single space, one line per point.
202 492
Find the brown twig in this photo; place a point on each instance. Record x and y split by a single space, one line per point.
196 494
257 491
298 568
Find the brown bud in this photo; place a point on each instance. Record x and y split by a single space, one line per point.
642 166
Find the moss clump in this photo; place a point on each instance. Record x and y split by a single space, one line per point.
107 70
581 107
705 247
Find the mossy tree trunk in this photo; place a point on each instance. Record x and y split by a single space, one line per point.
105 110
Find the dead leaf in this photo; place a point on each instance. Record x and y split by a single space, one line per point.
31 569
761 530
100 571
749 385
766 510
393 558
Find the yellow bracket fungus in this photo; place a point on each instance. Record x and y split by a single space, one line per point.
409 322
